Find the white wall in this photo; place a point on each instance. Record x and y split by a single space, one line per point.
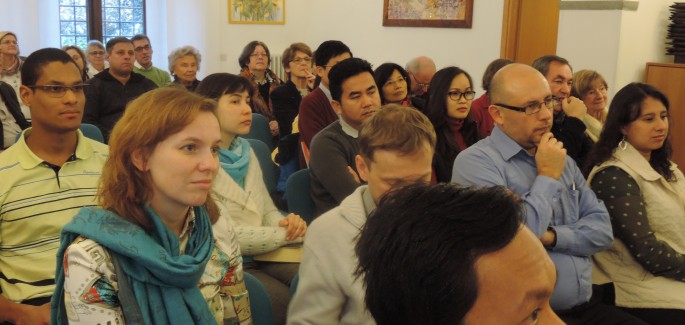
642 40
358 23
589 40
616 43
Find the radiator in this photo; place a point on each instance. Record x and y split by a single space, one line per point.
277 66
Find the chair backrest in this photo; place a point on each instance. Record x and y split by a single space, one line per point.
89 131
260 130
293 284
260 304
265 163
297 194
93 132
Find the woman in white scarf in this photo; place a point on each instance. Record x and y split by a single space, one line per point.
591 88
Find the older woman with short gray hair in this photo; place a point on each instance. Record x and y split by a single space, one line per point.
184 62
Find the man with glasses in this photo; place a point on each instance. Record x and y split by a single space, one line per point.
47 176
95 52
143 65
567 125
561 210
111 89
421 70
316 112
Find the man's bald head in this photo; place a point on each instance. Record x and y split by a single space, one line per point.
506 84
421 69
420 64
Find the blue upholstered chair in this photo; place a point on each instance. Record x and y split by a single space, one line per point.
265 163
260 304
297 194
260 130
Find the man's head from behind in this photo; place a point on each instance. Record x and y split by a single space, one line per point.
558 72
354 91
143 50
328 54
443 254
421 69
521 104
396 148
52 88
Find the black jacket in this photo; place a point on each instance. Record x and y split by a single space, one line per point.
285 104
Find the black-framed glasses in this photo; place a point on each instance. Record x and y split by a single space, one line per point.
456 95
533 108
58 91
140 48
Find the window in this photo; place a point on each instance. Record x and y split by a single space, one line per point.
83 20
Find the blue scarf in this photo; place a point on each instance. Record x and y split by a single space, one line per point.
163 281
236 159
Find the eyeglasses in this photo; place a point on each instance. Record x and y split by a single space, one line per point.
140 48
455 95
254 55
96 53
533 108
58 91
397 81
6 42
300 60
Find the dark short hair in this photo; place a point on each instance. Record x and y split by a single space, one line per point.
217 84
114 41
32 68
344 70
140 37
383 73
625 108
492 68
542 63
244 58
328 50
417 251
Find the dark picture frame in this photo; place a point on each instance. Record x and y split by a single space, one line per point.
428 13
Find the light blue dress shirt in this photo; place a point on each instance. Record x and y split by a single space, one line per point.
567 205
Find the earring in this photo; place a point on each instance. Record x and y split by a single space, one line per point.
623 144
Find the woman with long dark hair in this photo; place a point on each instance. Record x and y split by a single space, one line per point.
260 227
644 193
449 101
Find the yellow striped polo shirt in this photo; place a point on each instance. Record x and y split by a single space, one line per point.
36 201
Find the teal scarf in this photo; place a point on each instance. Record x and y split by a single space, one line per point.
236 159
163 281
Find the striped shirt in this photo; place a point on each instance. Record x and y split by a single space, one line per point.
36 201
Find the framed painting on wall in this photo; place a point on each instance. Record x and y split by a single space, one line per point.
428 13
256 12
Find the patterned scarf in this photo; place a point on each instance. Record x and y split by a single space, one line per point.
163 281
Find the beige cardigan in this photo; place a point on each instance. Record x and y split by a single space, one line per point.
665 205
251 210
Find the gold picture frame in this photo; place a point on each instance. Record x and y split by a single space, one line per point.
428 13
269 12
